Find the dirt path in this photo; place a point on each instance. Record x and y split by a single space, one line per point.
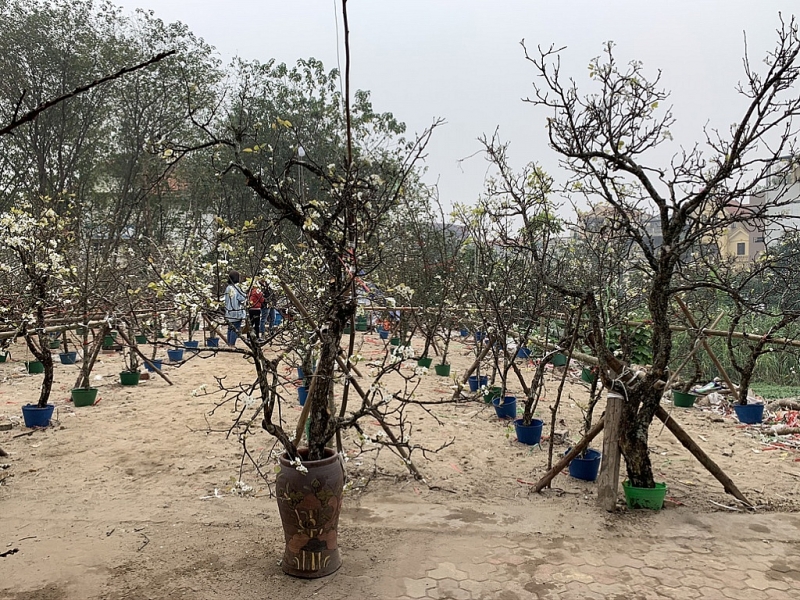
133 498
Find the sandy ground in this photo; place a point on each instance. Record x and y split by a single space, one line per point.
135 497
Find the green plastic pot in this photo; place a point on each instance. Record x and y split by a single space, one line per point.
588 376
494 392
559 360
650 498
683 400
395 341
346 331
108 341
55 344
361 323
141 339
34 367
129 377
4 356
83 396
443 370
424 362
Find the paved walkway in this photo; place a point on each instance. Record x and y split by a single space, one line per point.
672 555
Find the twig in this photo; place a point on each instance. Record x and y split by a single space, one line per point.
35 112
724 506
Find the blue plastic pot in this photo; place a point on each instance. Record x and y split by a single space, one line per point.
300 373
191 344
68 358
524 353
302 395
464 332
212 342
586 468
37 417
278 319
157 362
479 335
175 355
475 384
384 334
508 408
749 414
529 434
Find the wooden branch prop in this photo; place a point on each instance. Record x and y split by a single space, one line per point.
674 376
786 403
585 358
35 112
577 449
98 344
481 356
712 467
738 335
53 329
708 349
212 327
784 430
135 348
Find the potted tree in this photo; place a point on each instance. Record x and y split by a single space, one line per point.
337 207
31 239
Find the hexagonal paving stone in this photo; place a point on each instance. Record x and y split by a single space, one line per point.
709 593
623 560
737 594
447 570
418 588
479 572
450 589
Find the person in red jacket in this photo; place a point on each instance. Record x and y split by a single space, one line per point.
254 303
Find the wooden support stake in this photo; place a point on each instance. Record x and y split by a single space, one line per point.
701 456
714 359
608 480
135 348
98 343
474 365
577 449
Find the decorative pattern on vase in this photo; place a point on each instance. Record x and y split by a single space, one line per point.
309 505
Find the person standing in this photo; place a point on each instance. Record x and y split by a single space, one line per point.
267 308
234 307
255 302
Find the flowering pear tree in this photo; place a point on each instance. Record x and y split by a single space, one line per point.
326 175
32 244
606 139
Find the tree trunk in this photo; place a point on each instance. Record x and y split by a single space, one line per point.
643 397
633 444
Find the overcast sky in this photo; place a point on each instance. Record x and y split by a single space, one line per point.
461 59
